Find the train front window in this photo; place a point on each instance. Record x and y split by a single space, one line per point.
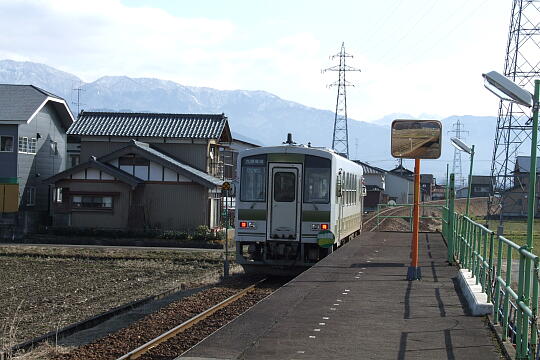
317 180
253 179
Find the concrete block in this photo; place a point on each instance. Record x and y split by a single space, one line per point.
476 299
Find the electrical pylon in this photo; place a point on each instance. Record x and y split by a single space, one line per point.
340 139
457 129
513 133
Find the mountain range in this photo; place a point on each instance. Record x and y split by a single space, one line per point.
255 116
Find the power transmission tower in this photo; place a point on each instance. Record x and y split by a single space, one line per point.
457 129
340 139
522 65
78 103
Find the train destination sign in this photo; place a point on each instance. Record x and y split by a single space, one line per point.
416 139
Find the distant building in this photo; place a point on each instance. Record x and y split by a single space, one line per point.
427 181
385 186
402 171
374 180
33 124
482 186
515 202
145 170
438 192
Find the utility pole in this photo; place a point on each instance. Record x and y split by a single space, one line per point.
514 127
340 139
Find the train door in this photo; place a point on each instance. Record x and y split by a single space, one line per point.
284 201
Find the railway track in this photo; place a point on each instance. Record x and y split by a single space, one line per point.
387 212
176 328
143 349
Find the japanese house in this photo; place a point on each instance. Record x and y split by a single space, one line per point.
143 170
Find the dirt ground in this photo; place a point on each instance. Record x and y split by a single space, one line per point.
477 208
46 288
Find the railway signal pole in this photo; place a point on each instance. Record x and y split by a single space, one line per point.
340 139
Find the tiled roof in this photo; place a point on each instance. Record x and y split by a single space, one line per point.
369 169
198 126
523 164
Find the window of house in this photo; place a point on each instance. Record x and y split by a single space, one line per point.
59 194
23 144
134 165
74 160
32 142
31 196
92 202
6 143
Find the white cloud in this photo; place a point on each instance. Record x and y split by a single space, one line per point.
105 37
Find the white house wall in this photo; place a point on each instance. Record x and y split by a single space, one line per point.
157 172
400 188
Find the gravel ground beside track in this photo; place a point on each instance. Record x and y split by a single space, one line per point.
127 339
477 207
54 287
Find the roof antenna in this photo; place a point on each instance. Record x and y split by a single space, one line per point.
289 140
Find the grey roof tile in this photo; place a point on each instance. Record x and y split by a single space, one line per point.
198 126
19 102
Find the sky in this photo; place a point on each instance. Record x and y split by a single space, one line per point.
419 57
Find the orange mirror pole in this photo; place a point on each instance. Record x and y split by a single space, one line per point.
414 272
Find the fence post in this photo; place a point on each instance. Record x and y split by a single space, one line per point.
451 197
534 310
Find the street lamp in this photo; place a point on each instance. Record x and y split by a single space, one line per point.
461 146
506 89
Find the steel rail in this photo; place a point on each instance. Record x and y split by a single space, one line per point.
134 354
396 209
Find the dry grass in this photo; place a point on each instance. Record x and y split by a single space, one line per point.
54 287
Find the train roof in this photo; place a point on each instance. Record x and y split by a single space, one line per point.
296 149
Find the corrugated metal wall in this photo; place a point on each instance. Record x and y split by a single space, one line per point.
174 206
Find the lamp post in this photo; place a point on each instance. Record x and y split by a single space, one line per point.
506 89
461 146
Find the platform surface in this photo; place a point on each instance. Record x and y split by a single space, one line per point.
356 304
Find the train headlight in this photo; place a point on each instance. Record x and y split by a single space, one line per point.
243 224
324 226
252 225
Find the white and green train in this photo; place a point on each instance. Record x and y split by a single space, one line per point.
294 205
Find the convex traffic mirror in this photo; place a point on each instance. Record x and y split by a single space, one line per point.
416 139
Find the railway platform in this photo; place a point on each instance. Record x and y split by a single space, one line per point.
356 304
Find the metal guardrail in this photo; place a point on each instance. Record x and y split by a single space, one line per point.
384 209
489 257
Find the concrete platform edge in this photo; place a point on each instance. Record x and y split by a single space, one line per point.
506 348
476 299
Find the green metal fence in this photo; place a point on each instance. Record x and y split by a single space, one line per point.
495 261
384 211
